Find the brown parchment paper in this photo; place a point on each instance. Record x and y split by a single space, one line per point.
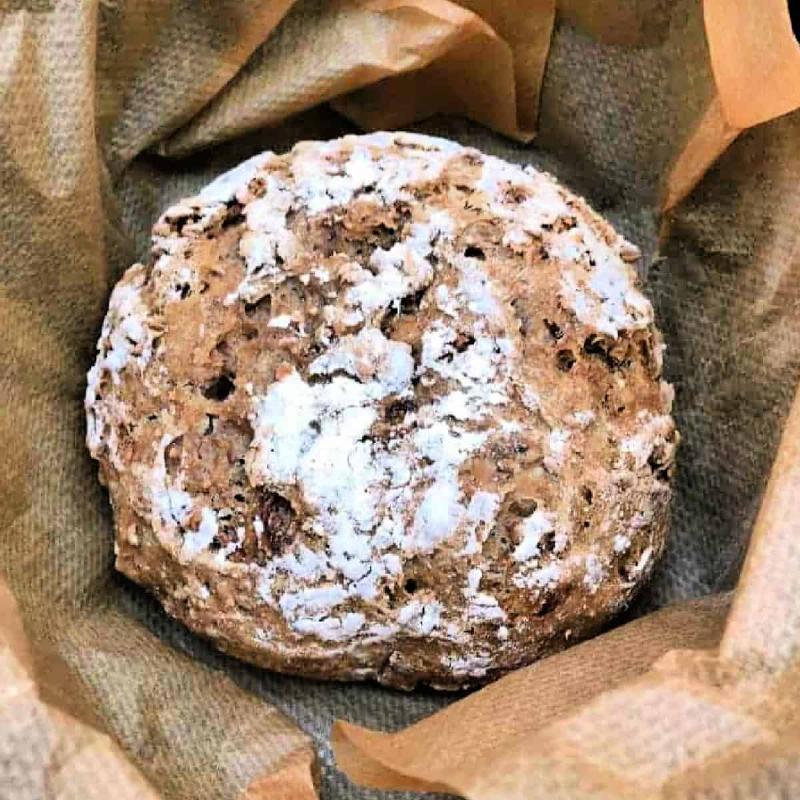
110 110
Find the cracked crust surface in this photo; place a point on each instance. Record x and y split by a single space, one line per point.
384 407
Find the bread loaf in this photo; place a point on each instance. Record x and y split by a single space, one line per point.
384 407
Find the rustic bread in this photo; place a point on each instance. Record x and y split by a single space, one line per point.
384 407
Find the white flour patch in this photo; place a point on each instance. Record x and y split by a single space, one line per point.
540 578
533 529
654 431
126 342
557 443
420 617
196 542
622 543
595 572
474 666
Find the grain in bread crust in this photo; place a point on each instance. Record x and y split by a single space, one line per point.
385 407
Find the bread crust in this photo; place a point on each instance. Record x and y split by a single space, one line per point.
384 408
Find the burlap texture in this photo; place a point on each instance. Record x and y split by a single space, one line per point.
108 111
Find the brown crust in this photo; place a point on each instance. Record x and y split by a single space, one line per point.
573 461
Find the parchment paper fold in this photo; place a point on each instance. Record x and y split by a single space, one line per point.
108 111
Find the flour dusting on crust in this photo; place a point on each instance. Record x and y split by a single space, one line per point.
384 406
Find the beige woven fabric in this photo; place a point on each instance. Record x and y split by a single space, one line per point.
109 110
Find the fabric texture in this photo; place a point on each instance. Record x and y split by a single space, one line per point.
111 110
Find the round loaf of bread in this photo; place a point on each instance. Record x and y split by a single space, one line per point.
384 407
